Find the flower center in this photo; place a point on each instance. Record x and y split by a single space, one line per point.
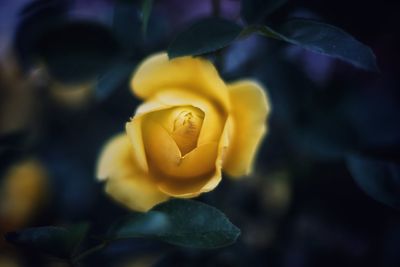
186 128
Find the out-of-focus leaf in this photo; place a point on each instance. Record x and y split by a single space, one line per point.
254 11
179 222
205 36
324 39
379 179
11 145
57 241
146 11
126 25
113 78
328 138
40 5
12 140
77 51
36 17
386 153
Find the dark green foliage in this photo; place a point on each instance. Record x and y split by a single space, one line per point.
146 11
113 78
254 11
205 36
179 222
126 26
379 179
12 140
324 39
56 241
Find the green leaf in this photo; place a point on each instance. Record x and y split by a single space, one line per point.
113 78
57 241
262 30
179 222
146 11
126 26
324 39
379 179
254 11
205 36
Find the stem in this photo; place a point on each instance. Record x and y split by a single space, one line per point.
216 12
92 250
216 8
219 60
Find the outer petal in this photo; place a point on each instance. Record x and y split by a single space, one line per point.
185 189
137 192
127 183
250 110
196 75
113 159
134 131
165 157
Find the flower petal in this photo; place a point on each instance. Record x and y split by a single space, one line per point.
138 192
196 75
113 159
250 110
127 183
165 158
185 189
134 131
188 189
214 119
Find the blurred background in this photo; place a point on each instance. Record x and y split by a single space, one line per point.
326 189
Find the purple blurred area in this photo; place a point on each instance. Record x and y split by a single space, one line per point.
181 13
99 10
8 22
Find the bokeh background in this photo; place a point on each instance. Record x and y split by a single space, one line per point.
326 189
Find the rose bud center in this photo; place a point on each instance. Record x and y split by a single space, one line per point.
186 128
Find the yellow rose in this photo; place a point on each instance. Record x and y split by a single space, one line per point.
190 126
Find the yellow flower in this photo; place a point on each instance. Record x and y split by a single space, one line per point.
23 192
190 126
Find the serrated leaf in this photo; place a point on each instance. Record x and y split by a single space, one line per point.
324 39
179 222
57 241
379 179
254 11
205 36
